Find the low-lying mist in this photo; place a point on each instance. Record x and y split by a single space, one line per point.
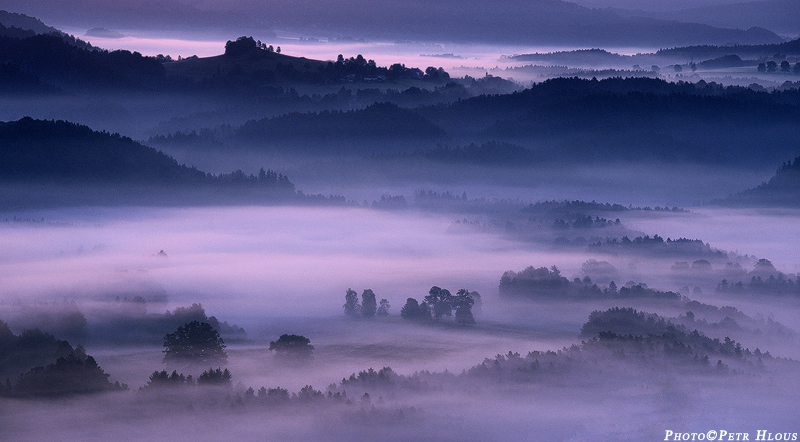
285 270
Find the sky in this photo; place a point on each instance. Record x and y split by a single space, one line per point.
519 22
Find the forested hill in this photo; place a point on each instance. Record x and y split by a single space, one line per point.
380 121
59 62
634 118
782 190
247 66
786 48
24 22
61 152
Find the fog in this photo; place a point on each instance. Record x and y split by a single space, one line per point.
253 261
282 269
291 249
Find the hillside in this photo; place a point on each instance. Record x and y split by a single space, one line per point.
777 15
59 62
22 26
632 119
742 50
245 60
65 152
782 190
25 23
66 164
376 123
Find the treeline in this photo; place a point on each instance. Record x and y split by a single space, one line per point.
378 121
547 284
368 307
764 279
708 51
657 245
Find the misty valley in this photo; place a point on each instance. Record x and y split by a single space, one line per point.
576 244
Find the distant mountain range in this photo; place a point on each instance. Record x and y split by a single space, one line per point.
532 22
780 16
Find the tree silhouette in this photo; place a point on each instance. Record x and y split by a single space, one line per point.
194 343
351 306
368 303
463 303
415 311
383 310
772 66
292 347
162 379
215 377
439 301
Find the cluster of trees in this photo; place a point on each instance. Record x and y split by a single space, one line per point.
780 285
194 343
440 302
785 67
544 283
199 344
618 322
296 348
678 68
360 69
582 221
44 366
246 45
368 307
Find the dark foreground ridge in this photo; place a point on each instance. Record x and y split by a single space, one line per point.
63 163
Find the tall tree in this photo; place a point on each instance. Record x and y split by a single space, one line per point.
351 306
383 310
439 300
463 303
369 304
